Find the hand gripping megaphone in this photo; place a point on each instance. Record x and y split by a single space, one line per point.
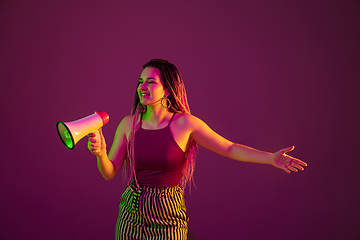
71 132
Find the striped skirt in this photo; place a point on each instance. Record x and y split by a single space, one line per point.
152 213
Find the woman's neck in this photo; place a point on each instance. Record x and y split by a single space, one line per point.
155 116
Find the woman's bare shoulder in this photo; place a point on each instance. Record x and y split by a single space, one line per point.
186 119
126 123
128 119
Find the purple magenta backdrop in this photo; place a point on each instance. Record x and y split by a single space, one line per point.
268 74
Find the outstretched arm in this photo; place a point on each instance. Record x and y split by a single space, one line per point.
209 139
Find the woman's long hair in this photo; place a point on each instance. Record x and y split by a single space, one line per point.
174 84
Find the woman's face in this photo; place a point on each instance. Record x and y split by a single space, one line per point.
150 88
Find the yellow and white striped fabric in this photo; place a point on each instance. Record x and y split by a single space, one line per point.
152 213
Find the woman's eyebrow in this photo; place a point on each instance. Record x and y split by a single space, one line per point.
152 78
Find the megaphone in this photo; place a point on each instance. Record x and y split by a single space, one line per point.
71 132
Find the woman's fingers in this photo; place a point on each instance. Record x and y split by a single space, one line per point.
301 162
285 150
93 143
298 166
286 162
295 167
286 170
91 135
292 168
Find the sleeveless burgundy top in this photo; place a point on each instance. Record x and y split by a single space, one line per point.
159 160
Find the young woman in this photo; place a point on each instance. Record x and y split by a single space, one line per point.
156 146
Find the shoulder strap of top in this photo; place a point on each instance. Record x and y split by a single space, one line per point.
171 119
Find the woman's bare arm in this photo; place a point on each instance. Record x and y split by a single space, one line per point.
110 165
209 139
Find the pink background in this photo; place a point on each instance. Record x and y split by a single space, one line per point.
268 74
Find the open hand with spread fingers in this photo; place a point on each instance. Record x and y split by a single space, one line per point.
281 160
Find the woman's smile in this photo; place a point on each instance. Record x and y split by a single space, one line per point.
144 95
150 88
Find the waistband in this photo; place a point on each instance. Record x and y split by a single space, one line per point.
157 190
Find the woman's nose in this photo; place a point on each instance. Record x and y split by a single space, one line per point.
142 86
